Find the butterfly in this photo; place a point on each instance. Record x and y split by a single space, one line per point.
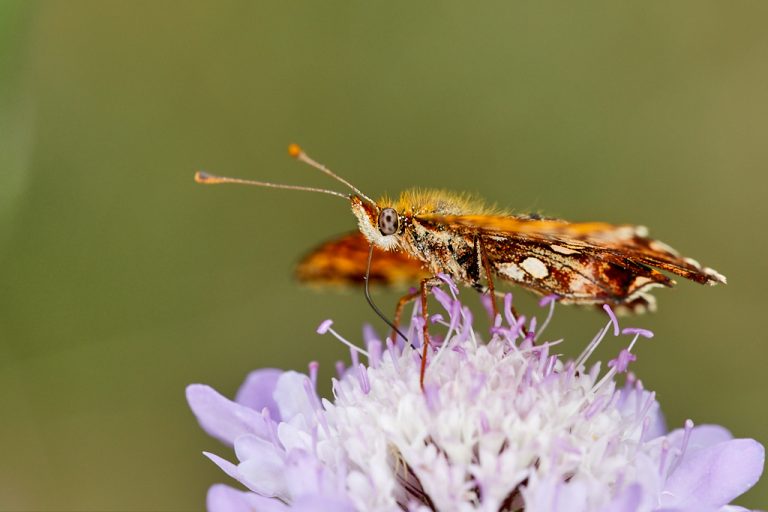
427 233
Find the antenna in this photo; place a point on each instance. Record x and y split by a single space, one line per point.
210 179
296 152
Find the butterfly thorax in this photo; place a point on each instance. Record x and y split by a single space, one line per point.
415 202
451 252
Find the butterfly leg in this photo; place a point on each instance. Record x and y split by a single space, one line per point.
405 299
425 342
489 278
491 289
426 285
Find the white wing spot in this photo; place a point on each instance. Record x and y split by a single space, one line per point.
535 267
659 246
624 232
511 271
714 274
563 250
641 281
641 231
692 262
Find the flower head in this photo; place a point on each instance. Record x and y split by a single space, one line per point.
502 425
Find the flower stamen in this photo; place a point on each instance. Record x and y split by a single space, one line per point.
325 327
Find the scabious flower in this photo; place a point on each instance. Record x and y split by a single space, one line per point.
505 425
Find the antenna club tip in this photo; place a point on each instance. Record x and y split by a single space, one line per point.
207 179
294 150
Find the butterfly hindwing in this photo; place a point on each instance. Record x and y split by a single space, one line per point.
343 261
577 273
581 262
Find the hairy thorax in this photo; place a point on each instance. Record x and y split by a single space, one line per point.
443 251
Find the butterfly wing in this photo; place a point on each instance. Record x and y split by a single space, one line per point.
583 263
586 275
343 261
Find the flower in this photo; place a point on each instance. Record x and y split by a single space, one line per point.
502 425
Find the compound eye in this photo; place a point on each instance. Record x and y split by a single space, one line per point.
388 221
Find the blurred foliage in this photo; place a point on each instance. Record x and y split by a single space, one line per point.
122 281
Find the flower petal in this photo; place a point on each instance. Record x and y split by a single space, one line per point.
552 495
257 392
657 425
631 400
221 417
293 438
265 473
702 436
628 500
226 466
319 503
291 396
711 477
253 447
223 498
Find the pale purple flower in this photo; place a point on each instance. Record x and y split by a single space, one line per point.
502 425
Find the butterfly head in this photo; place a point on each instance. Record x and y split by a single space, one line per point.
381 226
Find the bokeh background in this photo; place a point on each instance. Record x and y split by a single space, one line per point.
121 281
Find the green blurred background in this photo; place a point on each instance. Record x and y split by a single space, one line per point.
122 281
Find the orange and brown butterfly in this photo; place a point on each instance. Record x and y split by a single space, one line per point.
424 233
